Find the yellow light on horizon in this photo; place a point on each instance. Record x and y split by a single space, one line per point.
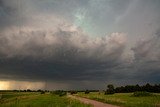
10 85
4 85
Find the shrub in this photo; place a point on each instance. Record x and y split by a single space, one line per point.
141 94
28 90
62 93
59 92
42 92
110 89
73 92
87 92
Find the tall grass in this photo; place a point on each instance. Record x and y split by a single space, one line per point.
125 99
38 100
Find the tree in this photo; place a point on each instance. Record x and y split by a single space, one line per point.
42 92
110 89
87 92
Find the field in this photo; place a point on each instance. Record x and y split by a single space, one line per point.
125 99
36 99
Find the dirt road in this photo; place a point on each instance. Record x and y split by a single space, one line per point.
92 102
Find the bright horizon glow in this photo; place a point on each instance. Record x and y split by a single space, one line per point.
4 85
10 85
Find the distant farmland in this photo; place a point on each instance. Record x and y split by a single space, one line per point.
125 99
123 96
36 99
61 99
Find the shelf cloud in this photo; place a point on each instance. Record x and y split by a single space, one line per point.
67 43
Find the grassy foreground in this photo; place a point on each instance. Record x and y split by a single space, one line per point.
125 99
35 99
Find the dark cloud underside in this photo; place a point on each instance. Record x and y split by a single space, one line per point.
63 41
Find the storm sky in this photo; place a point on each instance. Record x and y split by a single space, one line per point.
78 44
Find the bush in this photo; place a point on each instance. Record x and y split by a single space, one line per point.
110 89
63 93
141 94
28 90
87 92
59 92
42 92
73 92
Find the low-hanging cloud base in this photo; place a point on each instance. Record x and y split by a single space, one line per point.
59 43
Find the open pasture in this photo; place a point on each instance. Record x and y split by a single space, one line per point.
36 99
124 99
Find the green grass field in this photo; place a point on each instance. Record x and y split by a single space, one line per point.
35 99
125 99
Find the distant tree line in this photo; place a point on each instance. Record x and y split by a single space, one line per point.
110 89
133 88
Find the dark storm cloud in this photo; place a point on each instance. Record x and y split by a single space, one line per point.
148 49
42 40
60 55
147 59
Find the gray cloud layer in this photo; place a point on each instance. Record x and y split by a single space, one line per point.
66 54
55 40
147 58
